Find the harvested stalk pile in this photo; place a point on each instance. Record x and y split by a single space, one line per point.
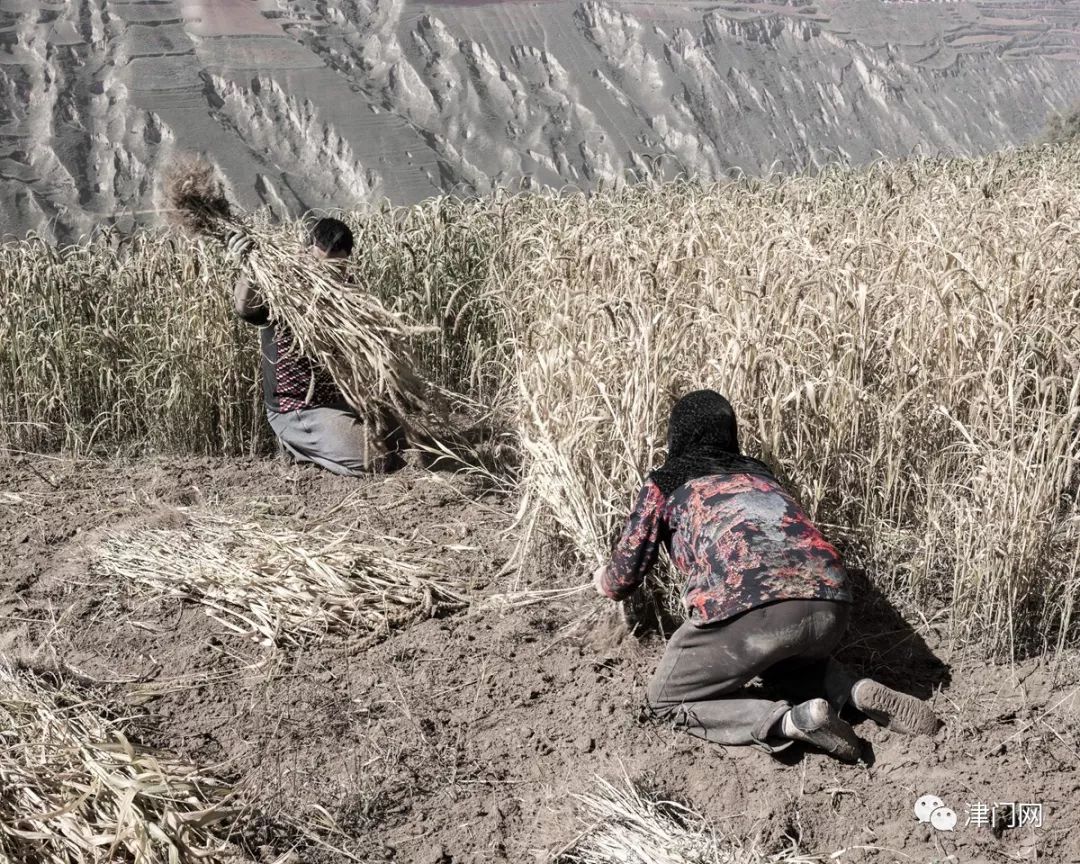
344 327
74 789
629 826
267 580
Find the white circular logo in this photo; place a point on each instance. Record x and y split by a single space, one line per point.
943 819
926 805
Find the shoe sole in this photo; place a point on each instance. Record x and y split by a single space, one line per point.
897 712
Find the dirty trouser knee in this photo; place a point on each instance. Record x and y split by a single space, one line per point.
334 438
702 668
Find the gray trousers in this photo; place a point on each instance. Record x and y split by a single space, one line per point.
336 439
699 682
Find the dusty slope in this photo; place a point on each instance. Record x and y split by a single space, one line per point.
463 739
336 102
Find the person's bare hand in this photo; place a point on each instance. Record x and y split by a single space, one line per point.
598 581
238 245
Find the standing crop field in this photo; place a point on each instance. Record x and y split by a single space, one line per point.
900 342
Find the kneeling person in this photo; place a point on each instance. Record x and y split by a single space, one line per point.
306 410
766 594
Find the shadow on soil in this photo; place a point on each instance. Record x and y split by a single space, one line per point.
882 644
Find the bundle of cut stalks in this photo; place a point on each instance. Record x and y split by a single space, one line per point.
74 789
629 826
362 344
267 580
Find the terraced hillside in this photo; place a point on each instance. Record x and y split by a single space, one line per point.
317 103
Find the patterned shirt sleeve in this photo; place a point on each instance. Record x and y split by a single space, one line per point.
636 551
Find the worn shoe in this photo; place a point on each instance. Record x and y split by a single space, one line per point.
897 712
814 722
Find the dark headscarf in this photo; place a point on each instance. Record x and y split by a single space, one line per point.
703 439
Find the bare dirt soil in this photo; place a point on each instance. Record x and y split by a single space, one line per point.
464 739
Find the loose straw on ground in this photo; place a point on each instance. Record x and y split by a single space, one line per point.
264 579
625 824
75 790
521 599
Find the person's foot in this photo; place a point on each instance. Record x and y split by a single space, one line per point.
814 722
897 712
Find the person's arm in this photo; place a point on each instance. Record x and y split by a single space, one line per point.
247 302
638 547
248 305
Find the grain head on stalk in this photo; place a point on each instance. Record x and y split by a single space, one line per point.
196 197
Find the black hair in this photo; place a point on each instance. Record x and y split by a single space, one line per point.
333 236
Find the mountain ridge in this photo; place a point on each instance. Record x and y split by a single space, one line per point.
312 104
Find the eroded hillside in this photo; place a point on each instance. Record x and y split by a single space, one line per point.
321 103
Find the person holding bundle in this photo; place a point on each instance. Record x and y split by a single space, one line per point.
766 594
309 415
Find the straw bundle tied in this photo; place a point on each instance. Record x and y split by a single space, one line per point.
625 824
362 344
74 789
276 584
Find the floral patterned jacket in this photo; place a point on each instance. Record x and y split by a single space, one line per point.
741 541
